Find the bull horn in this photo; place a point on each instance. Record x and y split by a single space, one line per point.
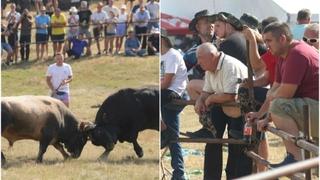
86 126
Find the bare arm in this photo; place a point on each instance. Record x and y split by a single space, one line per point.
200 103
255 59
167 80
219 98
262 80
49 83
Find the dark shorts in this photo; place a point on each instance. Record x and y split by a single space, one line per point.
13 40
96 32
25 39
57 38
41 38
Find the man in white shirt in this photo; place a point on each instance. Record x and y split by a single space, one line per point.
98 18
173 84
111 7
59 75
154 10
220 86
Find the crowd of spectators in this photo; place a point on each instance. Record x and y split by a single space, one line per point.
71 33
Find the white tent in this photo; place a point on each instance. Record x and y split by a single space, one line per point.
284 10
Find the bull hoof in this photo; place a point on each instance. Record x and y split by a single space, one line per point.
104 157
139 153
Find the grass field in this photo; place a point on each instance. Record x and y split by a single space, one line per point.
94 79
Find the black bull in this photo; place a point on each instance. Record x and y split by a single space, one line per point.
122 116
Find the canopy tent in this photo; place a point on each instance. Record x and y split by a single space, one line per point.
284 10
174 25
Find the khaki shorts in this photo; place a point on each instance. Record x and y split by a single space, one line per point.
293 109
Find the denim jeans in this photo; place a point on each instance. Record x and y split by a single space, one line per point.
171 119
238 164
132 53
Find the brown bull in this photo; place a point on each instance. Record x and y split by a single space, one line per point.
43 119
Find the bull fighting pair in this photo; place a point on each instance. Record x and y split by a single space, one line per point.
50 122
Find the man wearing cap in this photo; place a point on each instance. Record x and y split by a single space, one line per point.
204 29
98 18
84 21
173 84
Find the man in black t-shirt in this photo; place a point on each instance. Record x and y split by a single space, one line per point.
84 21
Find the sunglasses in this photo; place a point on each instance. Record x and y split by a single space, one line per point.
311 40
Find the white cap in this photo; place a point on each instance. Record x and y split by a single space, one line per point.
123 6
73 9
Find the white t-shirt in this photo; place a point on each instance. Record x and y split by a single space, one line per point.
123 17
153 9
99 17
58 74
224 79
114 9
173 63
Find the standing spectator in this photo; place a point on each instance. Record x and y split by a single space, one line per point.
135 9
303 19
12 18
4 45
38 4
42 24
131 3
73 23
49 12
121 28
222 72
311 35
154 9
132 45
110 32
153 42
58 77
141 19
110 7
25 34
173 84
296 84
58 24
84 21
98 18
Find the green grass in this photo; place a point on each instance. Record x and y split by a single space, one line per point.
94 79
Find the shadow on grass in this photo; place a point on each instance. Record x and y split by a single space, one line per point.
132 160
23 160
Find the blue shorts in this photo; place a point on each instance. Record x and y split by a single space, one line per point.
121 29
65 97
6 47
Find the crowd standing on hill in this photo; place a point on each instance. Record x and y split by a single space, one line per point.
71 33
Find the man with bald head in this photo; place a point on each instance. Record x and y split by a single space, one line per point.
220 86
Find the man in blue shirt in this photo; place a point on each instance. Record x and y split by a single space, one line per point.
42 23
132 45
78 46
141 19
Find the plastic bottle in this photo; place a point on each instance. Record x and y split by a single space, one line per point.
247 132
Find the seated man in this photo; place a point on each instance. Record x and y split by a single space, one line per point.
132 45
220 86
296 84
78 45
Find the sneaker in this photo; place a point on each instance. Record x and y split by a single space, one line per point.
289 159
99 53
201 133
